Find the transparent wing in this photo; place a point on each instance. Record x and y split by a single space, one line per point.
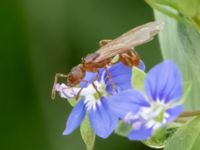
130 39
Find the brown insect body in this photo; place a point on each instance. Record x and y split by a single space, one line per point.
90 65
122 46
129 58
77 73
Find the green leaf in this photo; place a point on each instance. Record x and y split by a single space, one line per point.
182 10
179 41
123 129
186 137
165 7
138 77
160 137
187 86
87 133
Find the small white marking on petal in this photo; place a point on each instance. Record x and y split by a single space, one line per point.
157 125
150 123
166 115
89 90
130 117
94 107
90 102
99 103
137 125
164 121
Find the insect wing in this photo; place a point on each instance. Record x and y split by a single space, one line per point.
137 36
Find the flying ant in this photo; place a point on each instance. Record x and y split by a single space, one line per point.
122 46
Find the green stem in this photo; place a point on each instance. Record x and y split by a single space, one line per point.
190 113
181 120
185 116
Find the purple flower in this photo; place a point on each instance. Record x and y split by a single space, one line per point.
102 116
159 104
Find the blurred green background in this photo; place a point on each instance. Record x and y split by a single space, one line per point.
42 37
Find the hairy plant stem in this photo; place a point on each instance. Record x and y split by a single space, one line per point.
190 113
185 116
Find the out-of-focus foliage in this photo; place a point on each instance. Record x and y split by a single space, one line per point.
180 40
87 133
42 37
187 137
183 10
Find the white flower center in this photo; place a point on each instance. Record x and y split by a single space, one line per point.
91 93
153 116
92 97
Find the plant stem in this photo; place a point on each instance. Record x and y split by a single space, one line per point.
190 113
185 116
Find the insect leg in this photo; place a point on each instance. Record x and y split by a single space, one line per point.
58 75
96 77
79 92
93 84
110 78
130 58
95 87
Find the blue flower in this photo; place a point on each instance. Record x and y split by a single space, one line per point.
159 104
102 116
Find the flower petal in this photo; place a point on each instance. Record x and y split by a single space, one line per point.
142 65
119 68
135 97
164 82
66 91
125 102
75 118
89 77
102 119
174 113
121 76
140 134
